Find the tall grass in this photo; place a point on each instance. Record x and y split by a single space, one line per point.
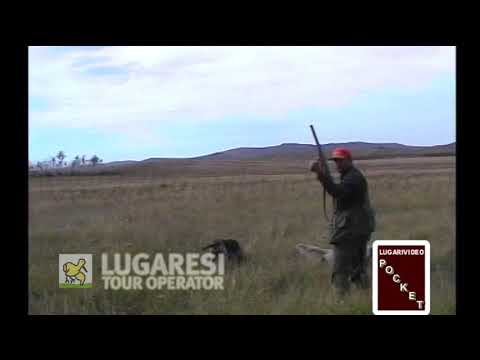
269 215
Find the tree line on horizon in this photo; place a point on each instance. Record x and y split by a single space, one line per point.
58 161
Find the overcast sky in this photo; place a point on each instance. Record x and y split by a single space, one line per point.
132 103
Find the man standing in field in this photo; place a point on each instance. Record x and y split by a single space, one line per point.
353 221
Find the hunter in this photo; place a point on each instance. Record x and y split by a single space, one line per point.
353 221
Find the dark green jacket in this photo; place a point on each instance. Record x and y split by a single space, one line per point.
354 216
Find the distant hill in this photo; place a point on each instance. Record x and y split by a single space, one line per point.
279 159
120 163
360 150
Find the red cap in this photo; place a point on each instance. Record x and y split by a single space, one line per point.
341 153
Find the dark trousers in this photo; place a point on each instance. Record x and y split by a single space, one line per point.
350 264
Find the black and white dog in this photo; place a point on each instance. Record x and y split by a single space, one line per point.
229 248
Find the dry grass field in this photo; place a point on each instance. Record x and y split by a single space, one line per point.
268 207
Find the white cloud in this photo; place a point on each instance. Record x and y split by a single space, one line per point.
147 85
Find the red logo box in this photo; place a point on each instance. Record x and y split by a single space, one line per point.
401 277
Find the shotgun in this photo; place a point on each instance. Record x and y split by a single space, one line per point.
326 170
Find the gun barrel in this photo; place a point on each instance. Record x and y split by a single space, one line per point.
326 169
320 153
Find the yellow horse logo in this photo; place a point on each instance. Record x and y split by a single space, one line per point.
74 272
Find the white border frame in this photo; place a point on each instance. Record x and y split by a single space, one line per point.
375 245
